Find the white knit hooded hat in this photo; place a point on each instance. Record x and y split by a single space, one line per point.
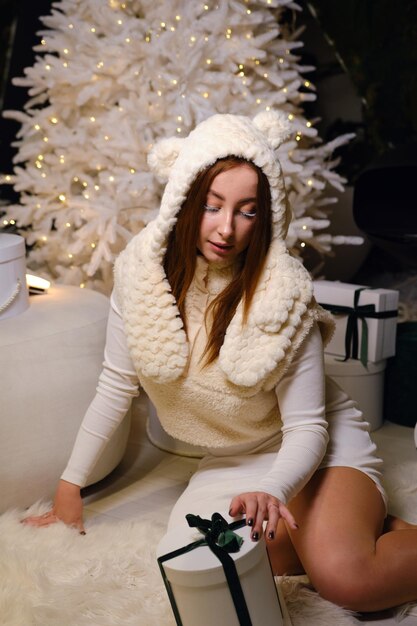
154 330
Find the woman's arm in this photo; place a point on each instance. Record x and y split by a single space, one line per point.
117 386
302 404
301 399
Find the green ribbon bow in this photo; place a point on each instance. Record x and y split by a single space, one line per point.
218 530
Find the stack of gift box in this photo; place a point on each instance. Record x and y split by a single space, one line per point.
365 337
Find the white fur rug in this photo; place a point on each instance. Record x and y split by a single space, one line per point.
109 577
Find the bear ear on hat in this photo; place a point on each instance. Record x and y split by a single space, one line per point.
275 125
163 155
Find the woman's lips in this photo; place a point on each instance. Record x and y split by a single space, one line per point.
221 247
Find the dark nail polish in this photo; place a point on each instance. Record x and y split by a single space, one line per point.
250 522
271 534
82 532
255 536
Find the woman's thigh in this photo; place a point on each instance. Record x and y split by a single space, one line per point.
340 514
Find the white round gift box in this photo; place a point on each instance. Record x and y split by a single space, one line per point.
199 586
14 296
363 384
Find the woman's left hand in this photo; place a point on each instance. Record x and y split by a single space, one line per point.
258 507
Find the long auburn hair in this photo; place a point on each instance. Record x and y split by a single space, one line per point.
181 255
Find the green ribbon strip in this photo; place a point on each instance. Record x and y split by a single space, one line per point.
357 312
220 538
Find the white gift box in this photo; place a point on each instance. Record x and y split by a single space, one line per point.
376 308
198 589
14 296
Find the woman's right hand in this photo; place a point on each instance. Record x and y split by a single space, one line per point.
67 508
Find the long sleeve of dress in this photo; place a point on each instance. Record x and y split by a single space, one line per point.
301 399
117 386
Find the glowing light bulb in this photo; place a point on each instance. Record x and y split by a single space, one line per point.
307 83
70 256
82 285
111 179
310 182
291 117
93 245
258 100
174 81
54 120
12 222
45 139
302 244
304 227
193 38
48 67
132 170
5 222
308 124
62 197
92 29
66 51
205 94
70 26
37 127
68 225
208 61
127 40
266 75
44 238
92 118
178 18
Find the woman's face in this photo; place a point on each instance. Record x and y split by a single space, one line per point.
229 214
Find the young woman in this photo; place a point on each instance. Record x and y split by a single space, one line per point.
218 324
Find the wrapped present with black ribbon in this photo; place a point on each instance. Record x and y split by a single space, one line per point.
215 574
366 320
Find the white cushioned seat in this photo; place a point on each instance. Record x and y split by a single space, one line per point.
50 359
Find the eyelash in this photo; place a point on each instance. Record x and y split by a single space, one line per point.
214 209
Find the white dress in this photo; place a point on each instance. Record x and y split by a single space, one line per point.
319 426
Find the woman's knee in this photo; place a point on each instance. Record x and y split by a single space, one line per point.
346 581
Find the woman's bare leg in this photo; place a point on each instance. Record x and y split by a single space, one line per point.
342 545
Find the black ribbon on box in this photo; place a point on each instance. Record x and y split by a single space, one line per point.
220 538
357 312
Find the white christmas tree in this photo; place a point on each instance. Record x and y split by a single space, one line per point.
112 77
